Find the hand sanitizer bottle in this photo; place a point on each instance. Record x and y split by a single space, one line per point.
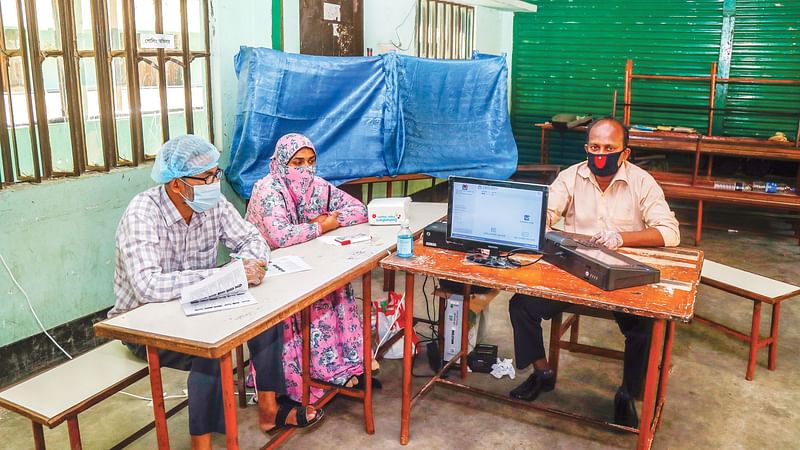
405 241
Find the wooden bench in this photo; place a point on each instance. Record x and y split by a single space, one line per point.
67 390
758 289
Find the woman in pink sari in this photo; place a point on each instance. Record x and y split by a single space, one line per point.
290 206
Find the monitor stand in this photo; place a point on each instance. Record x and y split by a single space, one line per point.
493 260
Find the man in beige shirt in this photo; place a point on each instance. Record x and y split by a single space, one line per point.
617 203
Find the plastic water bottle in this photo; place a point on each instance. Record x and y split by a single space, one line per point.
768 187
732 186
771 187
405 241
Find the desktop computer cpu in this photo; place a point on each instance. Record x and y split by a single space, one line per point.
452 327
453 315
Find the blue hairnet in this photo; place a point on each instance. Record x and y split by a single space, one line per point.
183 156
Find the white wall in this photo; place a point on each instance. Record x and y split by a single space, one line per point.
494 32
233 24
389 25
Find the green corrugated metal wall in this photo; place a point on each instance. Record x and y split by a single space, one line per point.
570 57
766 43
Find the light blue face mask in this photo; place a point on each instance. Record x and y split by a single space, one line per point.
206 196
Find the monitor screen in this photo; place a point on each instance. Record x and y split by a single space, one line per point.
501 214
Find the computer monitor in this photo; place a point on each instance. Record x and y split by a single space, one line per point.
496 215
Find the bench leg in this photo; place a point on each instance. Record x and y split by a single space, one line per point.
38 436
555 347
366 283
574 330
74 433
228 401
699 227
157 390
754 336
773 346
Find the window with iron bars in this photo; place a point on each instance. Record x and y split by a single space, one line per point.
84 90
445 30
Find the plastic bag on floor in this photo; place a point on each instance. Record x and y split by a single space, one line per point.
389 320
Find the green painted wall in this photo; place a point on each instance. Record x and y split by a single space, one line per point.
570 57
58 236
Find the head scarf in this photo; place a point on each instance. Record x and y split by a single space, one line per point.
296 181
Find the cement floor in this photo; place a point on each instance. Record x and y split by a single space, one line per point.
709 403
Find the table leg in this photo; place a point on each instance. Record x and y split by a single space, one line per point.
773 333
74 433
366 287
465 330
157 391
650 386
555 347
241 376
229 401
665 361
755 330
408 357
305 325
388 280
38 436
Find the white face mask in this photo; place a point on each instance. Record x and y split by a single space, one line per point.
206 196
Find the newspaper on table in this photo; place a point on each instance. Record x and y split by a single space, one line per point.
225 289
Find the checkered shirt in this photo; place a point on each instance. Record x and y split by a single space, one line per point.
158 253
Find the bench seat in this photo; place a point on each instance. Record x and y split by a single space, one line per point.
758 289
64 391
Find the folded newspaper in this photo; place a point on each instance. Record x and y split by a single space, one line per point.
225 289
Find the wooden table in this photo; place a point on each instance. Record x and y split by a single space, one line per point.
666 302
215 335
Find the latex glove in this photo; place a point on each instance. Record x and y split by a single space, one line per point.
503 367
255 271
612 240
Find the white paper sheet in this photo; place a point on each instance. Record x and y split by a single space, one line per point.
286 265
331 11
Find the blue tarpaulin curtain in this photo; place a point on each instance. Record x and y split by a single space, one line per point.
373 116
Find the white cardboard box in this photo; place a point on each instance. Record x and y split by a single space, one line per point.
388 211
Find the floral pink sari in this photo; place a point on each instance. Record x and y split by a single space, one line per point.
281 207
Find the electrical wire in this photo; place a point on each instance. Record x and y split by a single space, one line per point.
399 44
166 397
30 305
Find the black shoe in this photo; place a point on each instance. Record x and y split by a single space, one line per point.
625 409
538 382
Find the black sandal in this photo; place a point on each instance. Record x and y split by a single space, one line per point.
301 412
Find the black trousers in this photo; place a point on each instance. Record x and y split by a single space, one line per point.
206 413
526 317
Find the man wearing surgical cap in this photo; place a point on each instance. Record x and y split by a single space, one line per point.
167 239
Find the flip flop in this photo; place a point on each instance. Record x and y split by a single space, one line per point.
284 409
376 383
